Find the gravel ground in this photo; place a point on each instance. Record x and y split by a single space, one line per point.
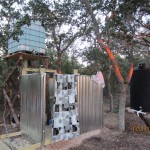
111 141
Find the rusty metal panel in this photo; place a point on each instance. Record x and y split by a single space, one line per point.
90 98
32 89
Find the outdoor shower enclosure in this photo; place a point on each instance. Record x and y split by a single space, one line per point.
59 107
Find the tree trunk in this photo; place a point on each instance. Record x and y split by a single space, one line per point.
109 89
59 63
13 102
116 67
122 103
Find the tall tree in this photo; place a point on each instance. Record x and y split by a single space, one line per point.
123 17
128 23
60 23
11 21
123 81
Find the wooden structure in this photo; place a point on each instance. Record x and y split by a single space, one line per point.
22 66
5 145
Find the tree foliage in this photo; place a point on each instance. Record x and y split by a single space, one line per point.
60 24
11 22
124 27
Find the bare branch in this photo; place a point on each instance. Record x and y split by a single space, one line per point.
130 74
55 40
96 29
69 44
11 107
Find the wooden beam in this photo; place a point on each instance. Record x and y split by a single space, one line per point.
13 70
25 70
31 57
75 71
11 107
30 147
13 102
51 71
35 146
4 136
2 125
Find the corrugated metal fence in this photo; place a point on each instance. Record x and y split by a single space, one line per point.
32 88
90 100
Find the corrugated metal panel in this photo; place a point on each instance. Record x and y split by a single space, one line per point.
32 88
90 97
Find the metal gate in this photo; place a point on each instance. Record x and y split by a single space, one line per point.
32 90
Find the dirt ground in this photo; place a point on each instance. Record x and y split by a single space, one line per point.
10 129
109 138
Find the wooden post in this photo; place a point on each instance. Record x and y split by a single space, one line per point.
11 107
13 102
75 71
24 65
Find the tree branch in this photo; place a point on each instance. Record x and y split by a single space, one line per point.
11 107
13 70
96 29
55 39
130 73
71 41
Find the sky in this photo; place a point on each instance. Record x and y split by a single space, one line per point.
80 44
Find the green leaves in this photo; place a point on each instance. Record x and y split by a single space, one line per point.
12 21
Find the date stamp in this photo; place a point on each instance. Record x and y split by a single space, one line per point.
140 129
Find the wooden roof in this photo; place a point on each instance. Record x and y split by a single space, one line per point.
25 56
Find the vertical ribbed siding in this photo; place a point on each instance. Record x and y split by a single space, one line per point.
90 97
32 89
